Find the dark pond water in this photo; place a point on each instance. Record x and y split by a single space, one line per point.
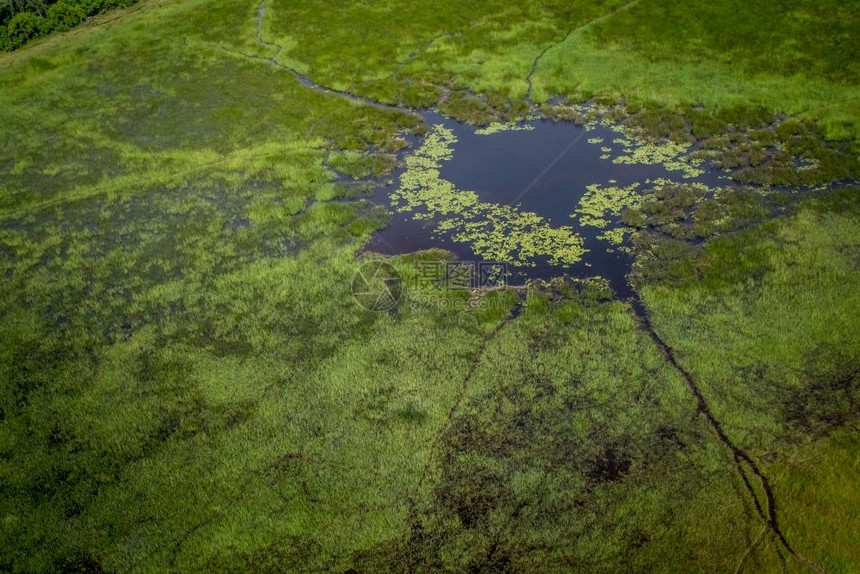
544 170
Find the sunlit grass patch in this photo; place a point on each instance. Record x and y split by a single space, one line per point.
627 55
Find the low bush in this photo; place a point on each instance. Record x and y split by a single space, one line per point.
22 28
64 15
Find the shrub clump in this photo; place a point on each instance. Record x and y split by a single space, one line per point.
40 18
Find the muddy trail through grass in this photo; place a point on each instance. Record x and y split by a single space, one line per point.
742 459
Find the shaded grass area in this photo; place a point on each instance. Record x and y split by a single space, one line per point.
176 456
765 320
560 460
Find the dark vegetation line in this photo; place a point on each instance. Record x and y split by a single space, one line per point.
414 56
417 54
750 548
305 80
176 547
464 387
740 457
90 192
309 83
563 40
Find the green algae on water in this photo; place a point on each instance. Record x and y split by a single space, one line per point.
498 127
599 203
667 153
494 231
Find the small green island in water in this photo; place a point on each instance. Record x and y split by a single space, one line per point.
429 286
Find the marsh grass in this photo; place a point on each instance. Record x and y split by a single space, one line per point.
773 326
552 436
187 384
755 56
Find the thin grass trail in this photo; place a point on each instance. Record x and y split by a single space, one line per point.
464 387
578 29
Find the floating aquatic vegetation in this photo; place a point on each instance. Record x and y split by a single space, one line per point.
421 190
599 203
673 156
663 182
497 127
601 207
668 153
502 233
808 164
494 231
590 115
497 231
616 236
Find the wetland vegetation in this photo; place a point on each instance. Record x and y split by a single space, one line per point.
187 383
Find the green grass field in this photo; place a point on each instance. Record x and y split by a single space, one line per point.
187 385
